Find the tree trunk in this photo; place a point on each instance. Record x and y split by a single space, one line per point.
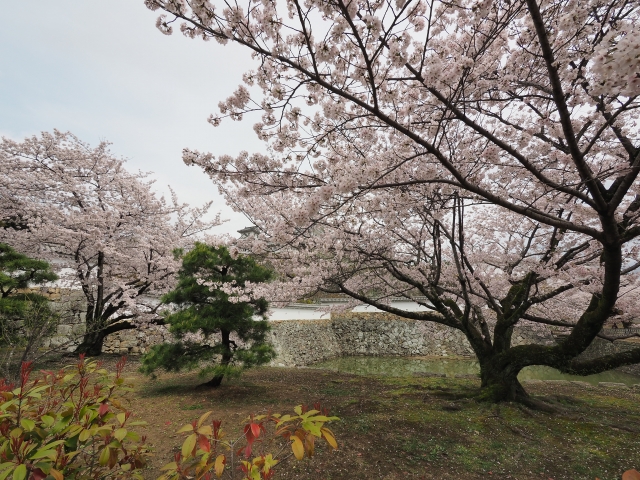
91 344
224 362
500 384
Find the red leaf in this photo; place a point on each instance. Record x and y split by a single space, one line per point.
104 408
38 474
248 433
203 441
255 430
247 450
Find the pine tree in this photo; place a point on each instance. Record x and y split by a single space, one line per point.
209 326
18 273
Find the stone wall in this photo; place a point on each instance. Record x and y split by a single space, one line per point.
600 347
136 341
303 342
71 305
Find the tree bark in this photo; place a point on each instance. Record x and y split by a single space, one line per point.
91 343
224 362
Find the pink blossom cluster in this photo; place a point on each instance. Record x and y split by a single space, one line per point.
482 154
103 228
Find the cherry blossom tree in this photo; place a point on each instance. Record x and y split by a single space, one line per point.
102 227
478 156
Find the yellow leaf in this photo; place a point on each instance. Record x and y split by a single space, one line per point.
120 433
170 466
121 418
297 447
56 474
206 430
269 463
298 410
188 445
219 465
309 445
284 418
202 418
328 435
186 428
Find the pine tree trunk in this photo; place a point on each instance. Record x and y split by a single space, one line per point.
224 362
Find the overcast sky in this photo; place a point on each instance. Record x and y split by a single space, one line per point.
101 70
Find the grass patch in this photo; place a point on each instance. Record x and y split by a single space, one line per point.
411 428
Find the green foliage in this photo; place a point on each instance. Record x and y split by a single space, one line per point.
68 424
212 326
17 304
202 456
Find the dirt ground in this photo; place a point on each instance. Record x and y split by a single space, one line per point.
412 427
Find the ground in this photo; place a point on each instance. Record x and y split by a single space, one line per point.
409 428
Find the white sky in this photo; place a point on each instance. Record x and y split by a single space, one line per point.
101 70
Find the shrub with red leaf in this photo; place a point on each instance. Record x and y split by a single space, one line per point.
250 452
68 424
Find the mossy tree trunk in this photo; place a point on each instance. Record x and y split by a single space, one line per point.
500 361
227 355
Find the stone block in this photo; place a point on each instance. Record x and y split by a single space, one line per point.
79 329
64 329
612 385
57 341
557 382
582 384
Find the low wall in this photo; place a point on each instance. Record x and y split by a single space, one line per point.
303 342
600 347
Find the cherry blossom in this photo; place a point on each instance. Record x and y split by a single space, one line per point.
478 156
103 227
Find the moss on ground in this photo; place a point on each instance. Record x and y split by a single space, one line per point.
413 427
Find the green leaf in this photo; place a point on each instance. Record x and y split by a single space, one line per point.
27 424
120 433
5 473
298 409
20 473
133 436
104 456
44 454
312 428
48 420
84 435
